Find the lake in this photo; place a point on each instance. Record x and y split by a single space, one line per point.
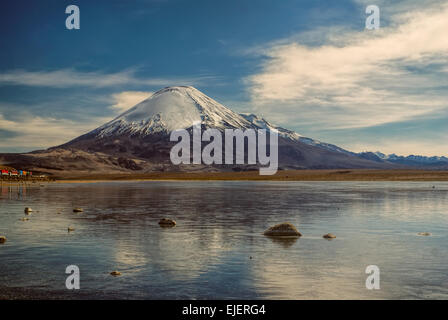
217 249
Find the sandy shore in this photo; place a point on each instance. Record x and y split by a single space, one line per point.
290 175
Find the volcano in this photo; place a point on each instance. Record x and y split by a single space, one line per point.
138 140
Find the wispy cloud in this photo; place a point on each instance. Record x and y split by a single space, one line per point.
66 78
42 132
364 79
127 99
25 130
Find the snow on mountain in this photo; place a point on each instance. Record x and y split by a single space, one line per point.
411 158
180 107
291 135
261 123
138 139
171 109
380 155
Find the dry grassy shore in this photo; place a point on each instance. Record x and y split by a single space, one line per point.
26 182
289 175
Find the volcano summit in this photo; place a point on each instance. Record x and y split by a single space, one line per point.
138 140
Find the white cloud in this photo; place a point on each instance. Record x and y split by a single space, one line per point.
34 132
366 79
66 78
127 99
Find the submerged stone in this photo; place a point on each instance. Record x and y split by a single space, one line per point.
283 230
28 210
329 236
115 273
167 222
424 234
78 210
2 239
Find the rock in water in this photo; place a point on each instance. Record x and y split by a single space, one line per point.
78 210
2 239
115 273
424 234
285 242
329 236
28 210
69 229
167 222
24 219
283 230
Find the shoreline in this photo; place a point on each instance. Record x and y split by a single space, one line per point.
362 175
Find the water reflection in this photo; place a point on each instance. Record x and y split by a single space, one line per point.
285 242
217 249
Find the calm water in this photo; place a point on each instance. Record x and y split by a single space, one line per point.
220 224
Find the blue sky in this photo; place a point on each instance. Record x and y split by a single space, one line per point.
309 66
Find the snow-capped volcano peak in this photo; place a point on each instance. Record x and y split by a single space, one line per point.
180 107
138 139
173 108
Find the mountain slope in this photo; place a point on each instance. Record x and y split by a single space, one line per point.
412 160
291 135
138 139
171 109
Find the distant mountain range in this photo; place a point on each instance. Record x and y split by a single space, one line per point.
412 160
138 141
